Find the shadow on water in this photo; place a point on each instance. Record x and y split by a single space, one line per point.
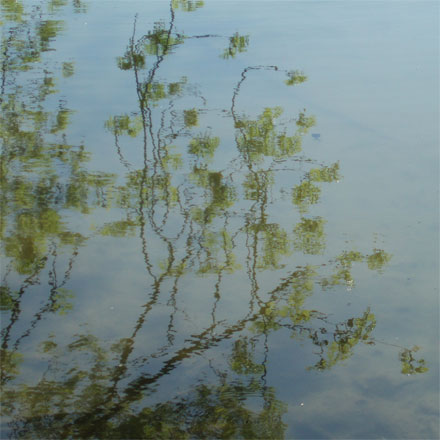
196 215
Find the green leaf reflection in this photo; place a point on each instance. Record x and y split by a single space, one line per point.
224 217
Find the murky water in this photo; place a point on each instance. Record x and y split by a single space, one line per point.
219 219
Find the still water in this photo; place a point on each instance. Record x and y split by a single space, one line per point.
219 219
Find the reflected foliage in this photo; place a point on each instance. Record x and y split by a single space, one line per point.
237 44
187 5
295 77
410 365
58 405
235 214
43 175
346 336
309 236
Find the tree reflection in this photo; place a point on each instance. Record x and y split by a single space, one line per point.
195 218
43 175
237 44
55 407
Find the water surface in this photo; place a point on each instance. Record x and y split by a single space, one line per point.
220 219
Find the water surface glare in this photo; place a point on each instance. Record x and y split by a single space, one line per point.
219 219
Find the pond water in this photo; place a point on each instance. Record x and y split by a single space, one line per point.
220 219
